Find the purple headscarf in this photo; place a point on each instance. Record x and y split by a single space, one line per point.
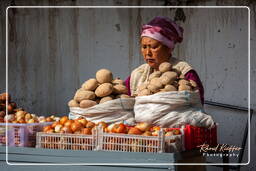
164 30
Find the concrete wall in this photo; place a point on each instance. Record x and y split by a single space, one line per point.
52 51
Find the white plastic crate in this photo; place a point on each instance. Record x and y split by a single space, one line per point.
20 135
139 143
130 143
66 141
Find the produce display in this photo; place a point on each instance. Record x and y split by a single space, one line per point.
165 80
23 125
81 134
19 115
83 126
99 90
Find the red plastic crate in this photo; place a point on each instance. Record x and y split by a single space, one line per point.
195 136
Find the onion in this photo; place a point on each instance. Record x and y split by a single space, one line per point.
86 131
63 120
57 128
20 114
69 123
90 124
9 118
83 121
46 128
76 126
143 126
66 129
31 121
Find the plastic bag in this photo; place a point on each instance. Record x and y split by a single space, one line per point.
172 109
118 110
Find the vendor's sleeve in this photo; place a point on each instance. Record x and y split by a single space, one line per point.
127 84
192 75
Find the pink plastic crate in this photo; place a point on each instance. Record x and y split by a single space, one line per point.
20 135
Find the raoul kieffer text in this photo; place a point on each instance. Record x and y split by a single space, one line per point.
219 148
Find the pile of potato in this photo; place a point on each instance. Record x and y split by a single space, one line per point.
19 115
165 80
98 90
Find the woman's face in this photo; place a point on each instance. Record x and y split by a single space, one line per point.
154 52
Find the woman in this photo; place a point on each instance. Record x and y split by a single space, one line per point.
158 39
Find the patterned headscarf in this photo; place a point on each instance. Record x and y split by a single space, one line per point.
164 30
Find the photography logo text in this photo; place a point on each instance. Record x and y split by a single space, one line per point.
220 150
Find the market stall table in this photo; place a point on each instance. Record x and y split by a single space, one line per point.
108 160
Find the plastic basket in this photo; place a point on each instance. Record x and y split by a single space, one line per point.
195 136
20 135
66 141
138 143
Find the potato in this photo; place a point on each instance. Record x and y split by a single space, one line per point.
142 87
161 91
104 76
84 95
104 89
118 81
105 99
87 103
165 66
171 74
144 92
183 82
73 103
90 84
166 80
170 88
123 96
153 88
156 82
175 84
155 74
184 87
120 89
